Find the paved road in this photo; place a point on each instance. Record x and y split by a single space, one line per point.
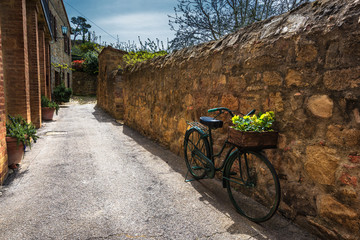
89 177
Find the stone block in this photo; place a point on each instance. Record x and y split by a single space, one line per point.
306 53
229 101
321 164
338 214
275 102
341 79
272 78
321 106
347 194
340 136
294 78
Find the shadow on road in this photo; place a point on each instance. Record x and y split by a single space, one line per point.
103 116
14 174
213 193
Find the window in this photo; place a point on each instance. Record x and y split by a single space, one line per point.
67 44
68 80
55 28
57 79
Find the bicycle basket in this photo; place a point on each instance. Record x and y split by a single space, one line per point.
257 140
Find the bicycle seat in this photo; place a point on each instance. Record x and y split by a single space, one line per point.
211 122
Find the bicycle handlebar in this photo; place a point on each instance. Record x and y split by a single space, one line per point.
221 109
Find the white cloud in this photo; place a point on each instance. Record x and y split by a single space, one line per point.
144 24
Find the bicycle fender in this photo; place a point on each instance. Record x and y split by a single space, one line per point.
226 166
202 132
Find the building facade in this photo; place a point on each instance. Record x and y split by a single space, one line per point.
28 30
60 46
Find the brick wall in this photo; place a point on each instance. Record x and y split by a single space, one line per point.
34 62
3 155
15 57
304 65
42 59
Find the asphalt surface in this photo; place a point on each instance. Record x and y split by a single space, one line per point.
89 177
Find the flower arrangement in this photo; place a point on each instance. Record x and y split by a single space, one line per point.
255 123
45 102
17 127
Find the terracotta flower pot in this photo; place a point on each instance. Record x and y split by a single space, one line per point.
47 113
15 151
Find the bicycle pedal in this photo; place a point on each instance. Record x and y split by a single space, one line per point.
233 173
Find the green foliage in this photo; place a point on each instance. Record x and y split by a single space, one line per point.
61 66
91 63
80 27
17 127
87 52
45 102
134 57
148 45
62 94
254 123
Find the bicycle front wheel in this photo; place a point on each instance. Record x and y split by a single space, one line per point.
253 185
197 166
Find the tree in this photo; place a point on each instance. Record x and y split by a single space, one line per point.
197 21
80 27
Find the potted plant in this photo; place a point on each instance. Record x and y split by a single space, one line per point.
48 108
253 131
62 94
19 134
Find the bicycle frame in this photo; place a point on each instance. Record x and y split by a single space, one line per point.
213 156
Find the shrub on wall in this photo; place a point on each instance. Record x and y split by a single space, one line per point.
134 57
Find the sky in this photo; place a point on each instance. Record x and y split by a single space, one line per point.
126 19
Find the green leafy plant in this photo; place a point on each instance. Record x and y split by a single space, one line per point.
134 57
254 123
62 93
17 127
45 102
91 63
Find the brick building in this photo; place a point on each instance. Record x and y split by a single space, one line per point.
29 30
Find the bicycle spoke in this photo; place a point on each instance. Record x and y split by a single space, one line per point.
197 166
253 186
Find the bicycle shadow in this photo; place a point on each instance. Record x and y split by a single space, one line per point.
213 193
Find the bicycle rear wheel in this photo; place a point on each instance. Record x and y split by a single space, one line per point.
253 185
197 166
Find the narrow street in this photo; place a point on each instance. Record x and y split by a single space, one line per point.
89 177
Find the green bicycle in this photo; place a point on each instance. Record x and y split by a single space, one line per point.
251 180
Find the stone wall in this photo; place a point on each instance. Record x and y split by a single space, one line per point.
304 65
84 84
108 90
60 47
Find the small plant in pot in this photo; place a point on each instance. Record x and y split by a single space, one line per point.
48 108
62 94
19 134
253 131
